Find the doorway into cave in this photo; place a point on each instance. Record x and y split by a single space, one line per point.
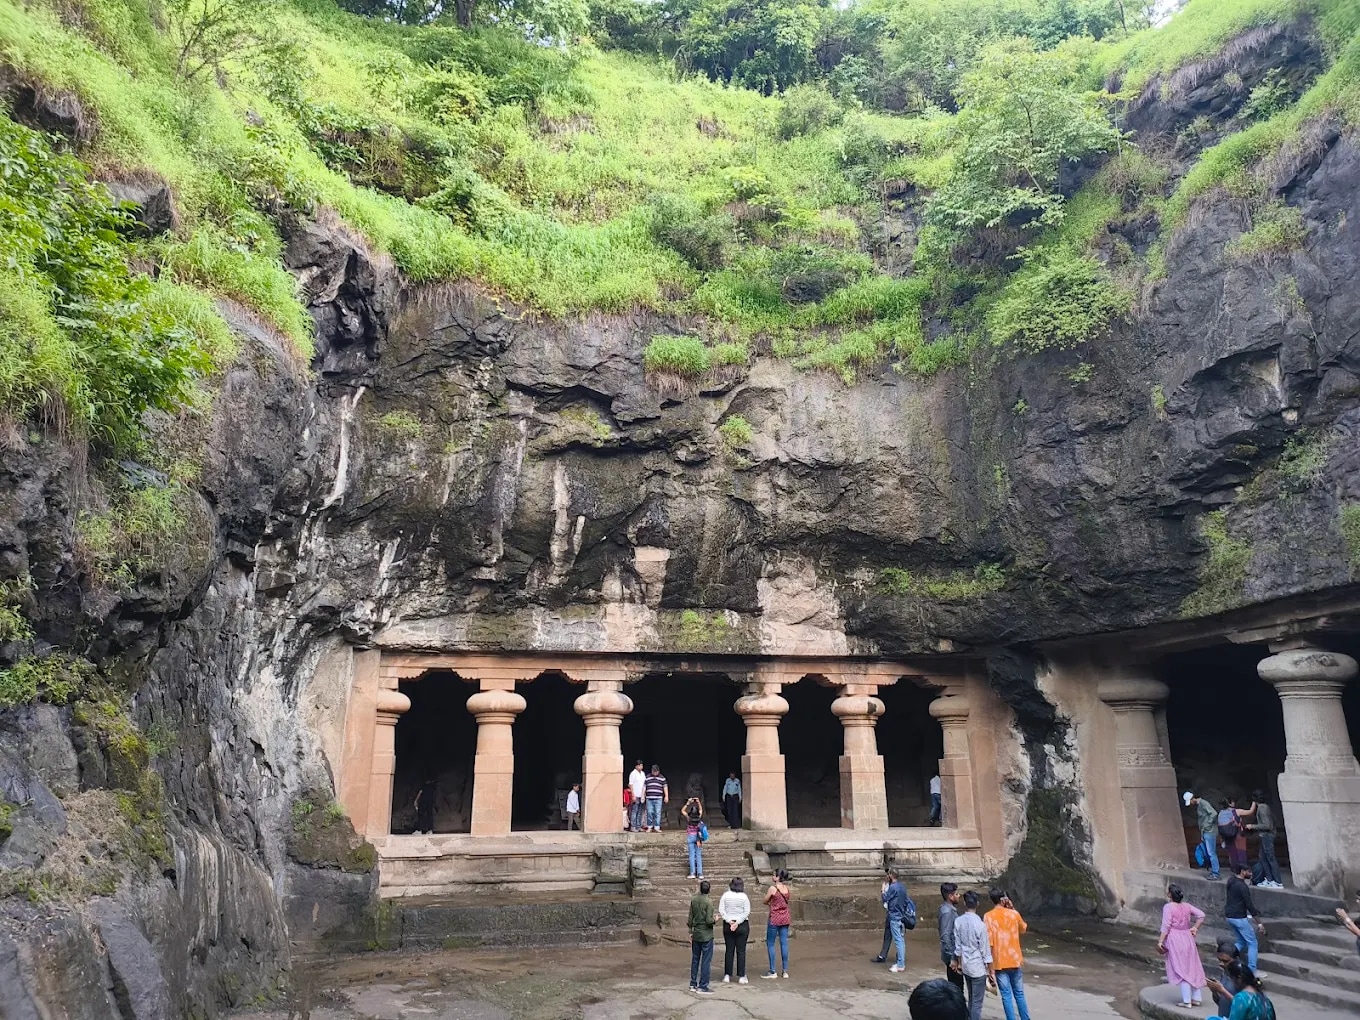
549 739
686 723
911 742
435 739
812 740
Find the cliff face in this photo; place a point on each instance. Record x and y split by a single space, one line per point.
458 471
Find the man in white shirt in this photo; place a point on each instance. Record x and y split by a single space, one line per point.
574 807
637 786
973 953
935 799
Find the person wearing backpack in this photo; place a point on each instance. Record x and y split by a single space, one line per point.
1231 831
901 918
1004 928
695 834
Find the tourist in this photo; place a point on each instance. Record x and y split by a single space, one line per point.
949 912
897 902
627 808
1264 826
731 801
693 814
973 953
735 910
935 802
1241 913
1207 818
777 897
1231 819
574 807
936 999
1181 922
1224 987
1250 1002
882 956
657 794
1349 922
700 940
425 807
637 795
1004 928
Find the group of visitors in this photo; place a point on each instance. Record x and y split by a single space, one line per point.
1227 826
734 911
1237 991
644 797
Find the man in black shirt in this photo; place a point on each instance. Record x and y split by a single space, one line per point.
1241 913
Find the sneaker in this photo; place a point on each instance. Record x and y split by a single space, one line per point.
767 977
727 979
786 973
693 988
742 981
1213 878
691 875
704 991
894 969
880 959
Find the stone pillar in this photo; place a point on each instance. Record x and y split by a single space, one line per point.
1153 833
1320 785
493 769
764 802
956 767
602 709
864 797
391 704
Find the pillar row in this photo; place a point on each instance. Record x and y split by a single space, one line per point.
602 710
1320 785
764 799
864 795
391 706
1152 815
493 768
956 768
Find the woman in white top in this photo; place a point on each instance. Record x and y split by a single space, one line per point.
735 910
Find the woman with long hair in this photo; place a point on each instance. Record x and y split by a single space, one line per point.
1180 924
693 814
777 929
1250 1003
735 910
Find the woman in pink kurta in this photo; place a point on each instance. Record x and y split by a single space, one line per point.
1180 925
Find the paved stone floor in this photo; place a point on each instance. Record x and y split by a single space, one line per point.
832 976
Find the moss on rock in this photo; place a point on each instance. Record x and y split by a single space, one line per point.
321 836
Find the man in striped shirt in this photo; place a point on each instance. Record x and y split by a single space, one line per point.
658 793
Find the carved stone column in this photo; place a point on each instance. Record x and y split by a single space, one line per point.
493 769
764 801
391 705
864 797
602 709
956 767
1152 813
1320 785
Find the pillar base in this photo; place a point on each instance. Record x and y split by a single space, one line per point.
602 793
864 798
1322 815
764 805
492 791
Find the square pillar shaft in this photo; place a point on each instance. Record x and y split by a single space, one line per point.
1153 834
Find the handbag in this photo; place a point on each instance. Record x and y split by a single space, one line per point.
703 832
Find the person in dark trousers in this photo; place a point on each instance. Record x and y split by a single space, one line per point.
895 900
1264 826
1241 914
700 940
937 999
973 954
735 910
949 913
425 807
731 801
882 956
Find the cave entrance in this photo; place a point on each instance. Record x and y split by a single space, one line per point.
812 740
436 739
911 742
687 724
549 739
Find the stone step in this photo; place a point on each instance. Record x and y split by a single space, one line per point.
1145 892
1278 965
1329 936
1310 990
1322 953
1160 1003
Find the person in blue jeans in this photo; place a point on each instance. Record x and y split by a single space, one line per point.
658 793
700 925
895 900
1207 818
1240 912
694 814
777 898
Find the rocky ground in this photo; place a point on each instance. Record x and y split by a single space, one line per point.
832 977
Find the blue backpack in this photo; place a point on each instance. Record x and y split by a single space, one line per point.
703 832
1201 856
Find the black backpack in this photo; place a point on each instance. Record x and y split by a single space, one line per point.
1232 829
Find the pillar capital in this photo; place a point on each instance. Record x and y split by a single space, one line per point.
761 709
1130 693
1307 672
603 707
950 710
496 706
857 709
391 706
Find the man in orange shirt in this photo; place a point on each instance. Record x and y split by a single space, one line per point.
1004 928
